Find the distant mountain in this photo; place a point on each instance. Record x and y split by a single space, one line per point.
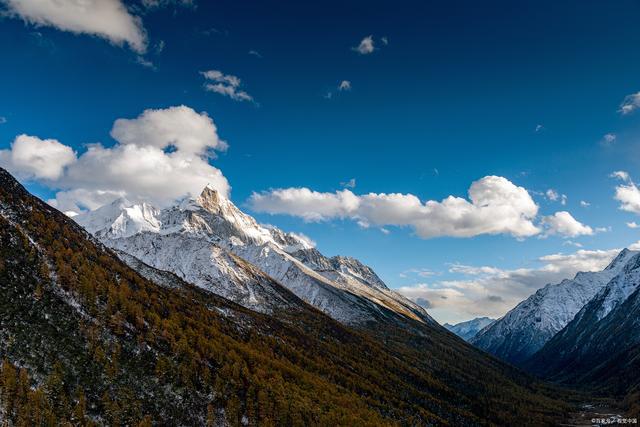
600 347
87 340
211 243
525 329
469 329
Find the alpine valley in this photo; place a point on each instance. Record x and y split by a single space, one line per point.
582 333
319 213
98 336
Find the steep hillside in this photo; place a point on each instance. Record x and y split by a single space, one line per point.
525 329
85 339
600 348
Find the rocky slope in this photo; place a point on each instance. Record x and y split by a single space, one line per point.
470 328
205 241
525 329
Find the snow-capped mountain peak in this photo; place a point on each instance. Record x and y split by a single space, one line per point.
621 259
120 218
205 240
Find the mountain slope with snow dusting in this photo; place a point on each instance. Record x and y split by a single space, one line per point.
211 243
87 340
525 329
600 347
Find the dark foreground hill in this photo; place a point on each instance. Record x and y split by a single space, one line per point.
86 340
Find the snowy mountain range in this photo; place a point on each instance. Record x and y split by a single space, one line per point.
469 329
211 243
87 339
600 346
531 324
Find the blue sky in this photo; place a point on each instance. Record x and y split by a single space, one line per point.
461 90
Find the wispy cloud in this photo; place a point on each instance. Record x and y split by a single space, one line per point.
630 104
344 85
366 46
159 47
492 291
155 4
349 184
145 62
417 272
225 84
608 139
554 196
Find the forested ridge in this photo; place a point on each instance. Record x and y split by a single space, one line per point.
85 340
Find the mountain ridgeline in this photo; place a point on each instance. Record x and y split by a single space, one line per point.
88 339
470 328
208 241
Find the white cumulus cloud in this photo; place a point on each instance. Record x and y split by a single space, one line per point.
160 156
108 19
495 206
627 193
181 127
563 223
33 158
